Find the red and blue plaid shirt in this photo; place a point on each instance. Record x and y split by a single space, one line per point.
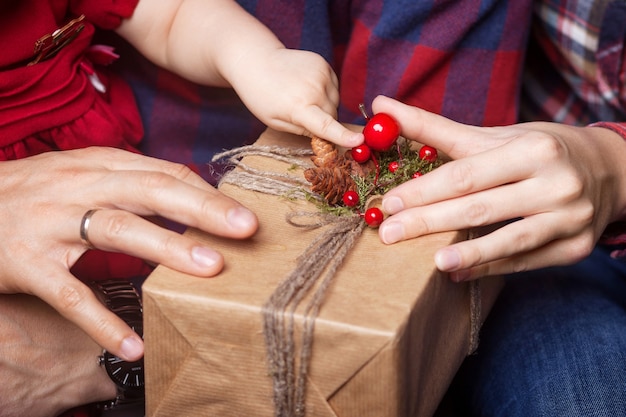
462 59
576 67
459 59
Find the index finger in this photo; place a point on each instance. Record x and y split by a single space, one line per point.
150 186
454 139
76 302
153 193
323 125
462 177
120 160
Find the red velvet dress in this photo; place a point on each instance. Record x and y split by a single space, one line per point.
66 100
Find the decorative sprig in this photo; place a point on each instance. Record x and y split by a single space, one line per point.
347 183
409 166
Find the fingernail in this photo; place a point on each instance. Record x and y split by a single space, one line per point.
205 257
240 218
391 232
392 205
131 348
447 259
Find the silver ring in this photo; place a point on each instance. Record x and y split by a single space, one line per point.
84 228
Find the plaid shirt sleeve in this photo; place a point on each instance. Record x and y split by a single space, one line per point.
576 72
576 68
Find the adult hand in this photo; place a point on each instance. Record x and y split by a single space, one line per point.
47 364
45 197
556 186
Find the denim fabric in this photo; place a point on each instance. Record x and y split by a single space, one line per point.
554 345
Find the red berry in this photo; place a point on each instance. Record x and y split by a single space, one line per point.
361 153
350 198
374 217
393 166
381 132
428 153
416 174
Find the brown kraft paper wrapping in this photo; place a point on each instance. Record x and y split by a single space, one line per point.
390 335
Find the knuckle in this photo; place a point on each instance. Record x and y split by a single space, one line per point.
180 171
484 270
421 226
585 213
71 296
519 264
326 123
101 153
524 240
476 214
154 180
104 327
571 187
545 148
209 207
116 225
169 244
97 151
462 177
581 247
474 257
322 123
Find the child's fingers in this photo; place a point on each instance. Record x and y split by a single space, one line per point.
317 122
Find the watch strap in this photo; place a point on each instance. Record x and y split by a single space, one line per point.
122 298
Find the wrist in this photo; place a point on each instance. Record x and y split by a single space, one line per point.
51 363
90 382
235 68
619 128
612 146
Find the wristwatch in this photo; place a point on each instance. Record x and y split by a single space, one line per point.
122 298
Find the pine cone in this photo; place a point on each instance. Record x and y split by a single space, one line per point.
325 153
332 183
356 168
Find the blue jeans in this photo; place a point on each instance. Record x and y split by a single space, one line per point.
553 345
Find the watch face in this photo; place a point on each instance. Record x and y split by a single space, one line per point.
128 375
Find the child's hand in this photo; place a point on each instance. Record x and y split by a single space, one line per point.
293 91
216 42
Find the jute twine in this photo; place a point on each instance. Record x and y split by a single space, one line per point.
313 274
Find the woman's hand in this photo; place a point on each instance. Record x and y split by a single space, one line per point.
45 197
556 187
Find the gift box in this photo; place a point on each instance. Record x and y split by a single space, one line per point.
385 337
